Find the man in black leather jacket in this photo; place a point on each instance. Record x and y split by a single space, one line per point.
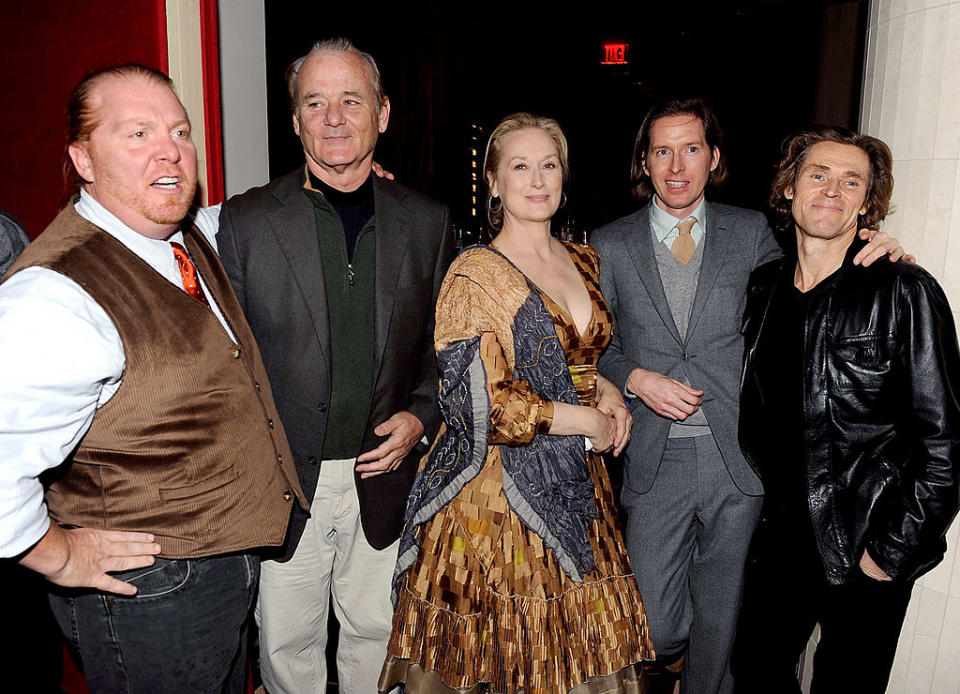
849 413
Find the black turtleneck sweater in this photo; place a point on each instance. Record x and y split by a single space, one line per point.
355 208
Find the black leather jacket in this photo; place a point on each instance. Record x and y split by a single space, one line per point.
881 382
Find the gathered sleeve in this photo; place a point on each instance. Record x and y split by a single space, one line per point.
469 308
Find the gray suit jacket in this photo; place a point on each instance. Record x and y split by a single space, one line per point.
269 245
645 335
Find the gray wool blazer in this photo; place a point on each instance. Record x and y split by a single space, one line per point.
645 335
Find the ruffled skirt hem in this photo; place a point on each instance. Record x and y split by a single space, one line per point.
396 671
585 640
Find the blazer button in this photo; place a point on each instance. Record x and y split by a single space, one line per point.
237 353
287 496
312 460
322 407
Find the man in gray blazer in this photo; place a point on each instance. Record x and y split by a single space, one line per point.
338 272
675 275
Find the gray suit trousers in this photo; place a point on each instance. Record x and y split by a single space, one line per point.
688 537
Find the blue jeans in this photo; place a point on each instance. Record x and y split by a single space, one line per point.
184 631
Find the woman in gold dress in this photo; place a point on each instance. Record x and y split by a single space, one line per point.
513 576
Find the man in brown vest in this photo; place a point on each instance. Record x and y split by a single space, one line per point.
140 388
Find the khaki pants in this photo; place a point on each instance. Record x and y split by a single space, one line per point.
332 560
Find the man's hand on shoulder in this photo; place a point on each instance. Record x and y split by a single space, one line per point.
404 430
664 395
880 244
82 557
381 172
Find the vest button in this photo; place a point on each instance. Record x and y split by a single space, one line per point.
257 386
270 423
287 496
312 460
237 353
322 407
280 458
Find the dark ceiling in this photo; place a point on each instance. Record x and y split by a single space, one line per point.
759 62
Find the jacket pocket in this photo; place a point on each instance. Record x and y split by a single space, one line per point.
859 364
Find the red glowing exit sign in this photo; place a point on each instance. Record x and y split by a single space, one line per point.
615 53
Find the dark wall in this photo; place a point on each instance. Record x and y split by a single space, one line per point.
757 61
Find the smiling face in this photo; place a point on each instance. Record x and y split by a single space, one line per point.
139 161
830 191
529 178
679 162
336 116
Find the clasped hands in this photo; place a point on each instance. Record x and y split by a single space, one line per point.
619 422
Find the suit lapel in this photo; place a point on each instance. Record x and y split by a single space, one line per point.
639 242
295 227
717 243
393 226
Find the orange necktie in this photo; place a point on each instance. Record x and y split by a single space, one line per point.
188 272
684 247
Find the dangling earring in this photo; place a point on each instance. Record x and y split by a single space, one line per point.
493 210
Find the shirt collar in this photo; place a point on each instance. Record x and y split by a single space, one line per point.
90 209
662 222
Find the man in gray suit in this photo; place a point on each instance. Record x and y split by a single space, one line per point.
675 275
338 272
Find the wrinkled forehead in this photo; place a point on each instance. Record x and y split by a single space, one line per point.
345 71
840 158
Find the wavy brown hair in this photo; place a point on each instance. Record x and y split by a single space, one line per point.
491 159
879 187
640 184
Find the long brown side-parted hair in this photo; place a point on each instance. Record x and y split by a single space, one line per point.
491 159
640 184
879 187
83 116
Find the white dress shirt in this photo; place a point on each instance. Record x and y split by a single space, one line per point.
61 358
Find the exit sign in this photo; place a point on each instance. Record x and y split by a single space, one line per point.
614 54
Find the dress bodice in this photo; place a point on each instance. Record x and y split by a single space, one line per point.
583 349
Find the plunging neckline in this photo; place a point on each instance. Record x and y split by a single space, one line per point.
582 334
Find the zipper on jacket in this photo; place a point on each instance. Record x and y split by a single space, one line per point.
351 275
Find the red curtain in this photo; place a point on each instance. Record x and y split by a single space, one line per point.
47 46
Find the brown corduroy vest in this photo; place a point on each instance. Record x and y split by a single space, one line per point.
190 447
